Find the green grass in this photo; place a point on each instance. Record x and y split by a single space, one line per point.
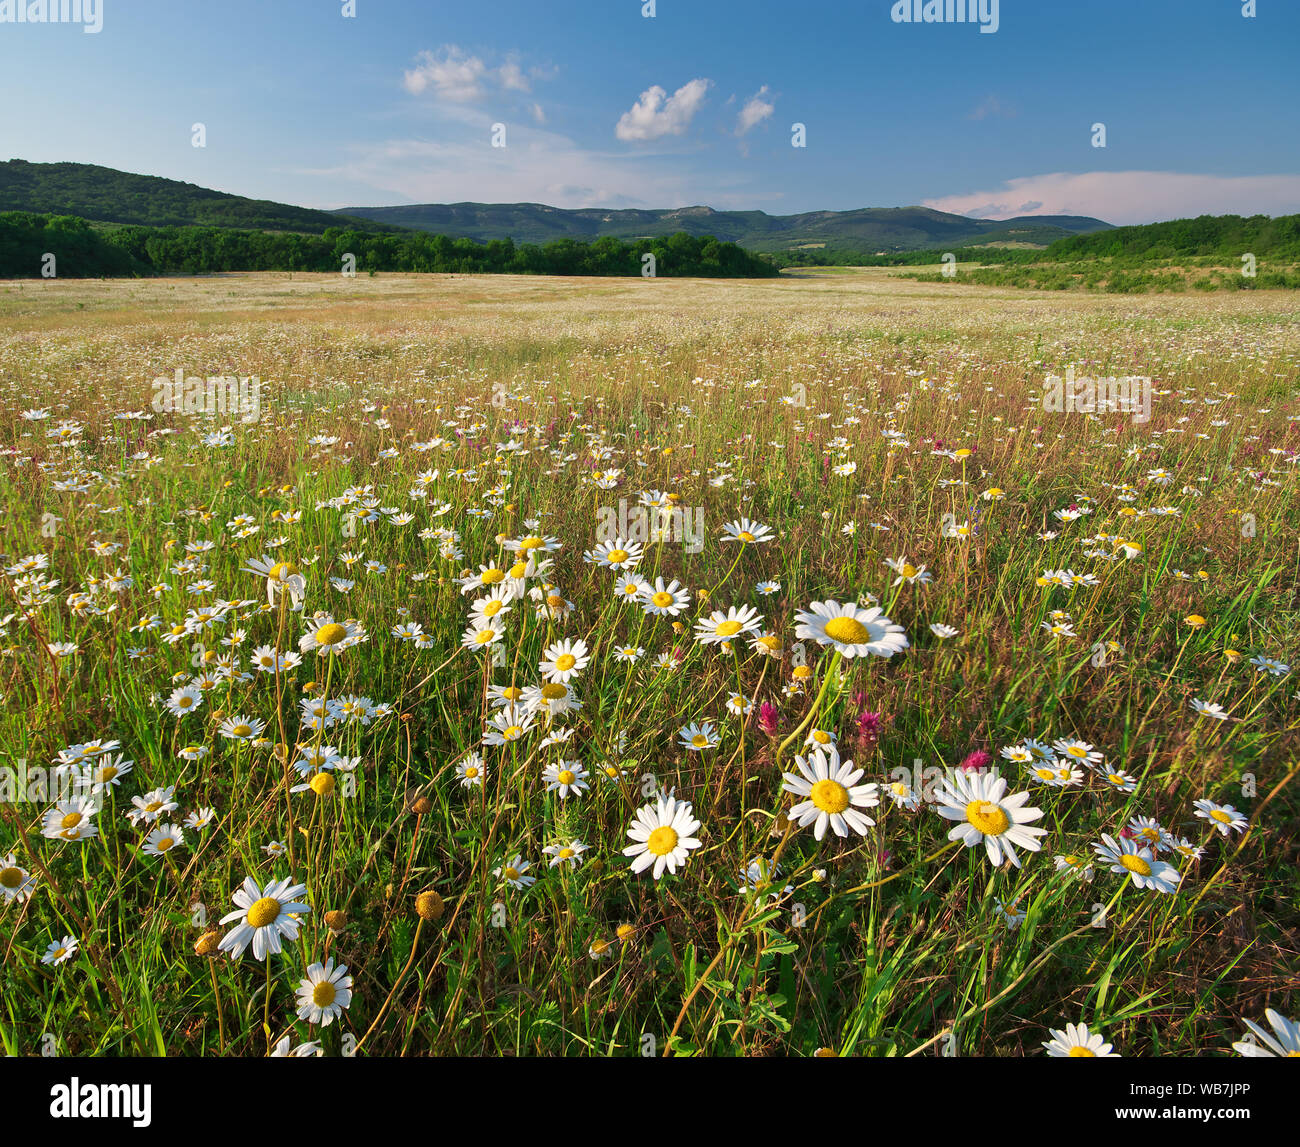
884 945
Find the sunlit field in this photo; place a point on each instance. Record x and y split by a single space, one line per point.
645 667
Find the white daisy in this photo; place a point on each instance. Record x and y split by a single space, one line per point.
833 794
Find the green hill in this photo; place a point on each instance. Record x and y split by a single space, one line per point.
104 194
869 229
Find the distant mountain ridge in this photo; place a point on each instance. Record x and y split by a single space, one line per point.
106 195
868 229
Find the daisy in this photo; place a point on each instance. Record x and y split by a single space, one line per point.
942 631
1075 865
508 725
324 993
1118 780
564 660
1286 1045
697 737
1147 832
903 795
1221 816
1209 709
266 916
201 818
184 700
512 872
483 634
908 572
71 820
979 803
282 1050
721 627
163 839
567 778
471 771
631 587
833 794
661 599
570 854
152 806
16 883
1076 1041
1127 856
767 588
1078 751
241 728
663 834
620 554
61 951
746 532
850 629
330 636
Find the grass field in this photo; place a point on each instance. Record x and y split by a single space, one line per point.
330 641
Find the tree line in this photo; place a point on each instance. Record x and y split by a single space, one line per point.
81 250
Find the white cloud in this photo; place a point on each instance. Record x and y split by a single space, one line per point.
450 73
992 106
1130 196
456 77
657 114
755 111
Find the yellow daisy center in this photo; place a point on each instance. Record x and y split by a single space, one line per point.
847 630
988 817
164 844
617 555
1079 1051
1044 774
282 571
530 544
1221 816
492 576
263 912
322 783
566 776
471 771
1116 778
829 796
728 628
493 607
330 634
600 947
565 853
554 600
909 570
511 874
662 841
513 731
484 636
554 691
699 741
801 671
745 536
1135 864
242 730
11 877
322 995
565 662
71 820
663 599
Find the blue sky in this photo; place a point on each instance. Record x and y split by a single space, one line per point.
605 107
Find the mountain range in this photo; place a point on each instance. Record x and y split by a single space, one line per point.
108 196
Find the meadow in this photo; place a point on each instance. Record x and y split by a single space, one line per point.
646 667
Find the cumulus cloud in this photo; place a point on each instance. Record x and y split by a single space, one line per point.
755 111
657 114
1130 196
454 76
